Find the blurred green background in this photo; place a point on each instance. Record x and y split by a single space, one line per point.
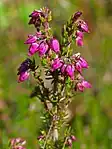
91 112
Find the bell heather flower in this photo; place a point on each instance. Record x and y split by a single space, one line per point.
79 34
31 39
33 49
79 41
83 63
54 44
63 68
82 85
78 67
43 48
23 76
70 71
82 26
57 63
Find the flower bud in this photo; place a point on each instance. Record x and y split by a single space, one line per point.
54 44
70 71
57 63
83 63
33 49
82 85
78 67
43 47
31 39
23 76
79 41
69 142
79 34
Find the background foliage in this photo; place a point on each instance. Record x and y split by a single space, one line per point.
91 112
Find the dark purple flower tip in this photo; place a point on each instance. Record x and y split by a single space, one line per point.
56 64
63 68
55 46
79 41
34 47
43 48
23 76
77 15
83 63
31 39
78 67
70 71
24 66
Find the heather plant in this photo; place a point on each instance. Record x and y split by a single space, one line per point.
59 66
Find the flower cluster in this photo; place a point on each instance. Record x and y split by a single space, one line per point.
82 28
39 43
70 67
17 143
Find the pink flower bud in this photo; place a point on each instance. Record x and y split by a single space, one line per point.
63 68
69 142
83 63
79 34
73 138
82 85
54 44
23 76
70 71
86 84
57 63
84 27
31 39
19 147
43 47
79 41
33 49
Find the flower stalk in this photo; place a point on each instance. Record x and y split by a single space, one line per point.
61 68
